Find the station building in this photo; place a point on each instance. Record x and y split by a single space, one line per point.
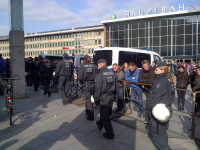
72 41
172 34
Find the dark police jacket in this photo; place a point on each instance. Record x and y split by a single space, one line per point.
36 67
162 91
28 66
46 69
87 72
106 82
64 68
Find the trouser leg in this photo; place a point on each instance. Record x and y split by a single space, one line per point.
47 85
67 87
161 140
120 102
183 98
147 113
89 106
108 127
44 85
61 84
179 97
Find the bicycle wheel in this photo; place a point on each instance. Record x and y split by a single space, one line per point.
10 115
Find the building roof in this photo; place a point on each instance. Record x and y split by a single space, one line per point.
160 15
55 32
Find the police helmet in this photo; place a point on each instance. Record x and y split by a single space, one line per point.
92 99
161 112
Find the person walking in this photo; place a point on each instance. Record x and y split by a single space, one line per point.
182 82
106 90
162 91
132 75
173 70
64 71
46 69
195 89
35 71
146 76
120 75
86 76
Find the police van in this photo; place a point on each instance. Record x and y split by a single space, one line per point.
121 55
76 59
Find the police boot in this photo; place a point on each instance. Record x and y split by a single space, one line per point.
100 127
107 136
49 94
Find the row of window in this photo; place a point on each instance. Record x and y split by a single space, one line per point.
65 36
70 52
77 44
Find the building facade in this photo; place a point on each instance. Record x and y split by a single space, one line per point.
72 41
174 35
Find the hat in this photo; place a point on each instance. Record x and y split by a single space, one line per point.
161 64
65 55
101 61
86 56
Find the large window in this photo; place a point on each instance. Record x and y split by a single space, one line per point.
173 36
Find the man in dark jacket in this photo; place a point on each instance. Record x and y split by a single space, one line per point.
146 76
2 67
120 75
47 70
106 90
64 71
35 73
28 69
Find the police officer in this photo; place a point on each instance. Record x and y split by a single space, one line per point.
86 75
106 91
64 71
46 69
28 69
162 91
35 71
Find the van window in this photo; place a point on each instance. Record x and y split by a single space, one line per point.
157 58
141 57
103 54
137 58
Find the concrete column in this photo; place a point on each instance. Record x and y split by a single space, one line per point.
17 62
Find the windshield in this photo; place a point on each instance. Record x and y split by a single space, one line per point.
103 54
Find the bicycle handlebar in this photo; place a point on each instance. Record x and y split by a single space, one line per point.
12 78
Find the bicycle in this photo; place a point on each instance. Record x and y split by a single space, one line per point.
9 98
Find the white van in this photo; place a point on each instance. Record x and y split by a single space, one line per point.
121 55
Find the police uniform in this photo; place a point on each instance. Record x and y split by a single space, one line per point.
106 90
29 67
64 71
35 71
46 69
86 76
162 91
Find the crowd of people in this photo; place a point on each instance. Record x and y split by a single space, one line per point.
157 81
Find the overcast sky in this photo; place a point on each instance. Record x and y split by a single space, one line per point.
47 15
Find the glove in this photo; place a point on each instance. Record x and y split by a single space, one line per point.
116 99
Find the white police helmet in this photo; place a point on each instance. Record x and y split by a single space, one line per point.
161 112
92 99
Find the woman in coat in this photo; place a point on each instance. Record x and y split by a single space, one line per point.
162 91
182 82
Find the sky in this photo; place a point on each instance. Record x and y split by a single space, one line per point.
47 15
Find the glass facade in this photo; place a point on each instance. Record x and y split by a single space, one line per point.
174 36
